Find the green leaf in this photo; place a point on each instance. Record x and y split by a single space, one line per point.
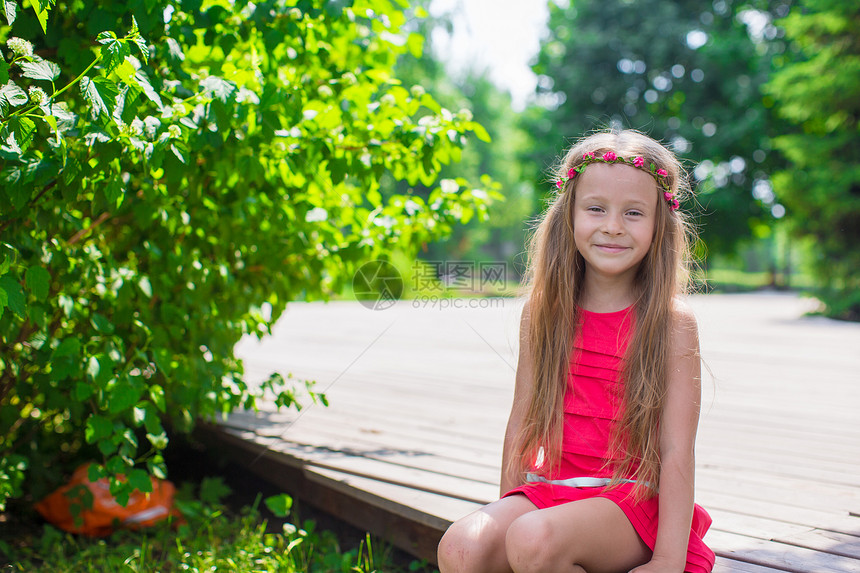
143 83
479 131
101 323
4 69
151 420
41 70
107 446
158 441
156 392
105 37
97 428
139 480
124 395
60 111
11 96
115 465
145 286
67 304
113 51
19 130
415 43
125 71
37 315
279 504
83 391
101 368
95 472
213 490
113 191
100 94
41 10
38 281
156 467
10 8
134 36
15 299
174 50
68 347
218 88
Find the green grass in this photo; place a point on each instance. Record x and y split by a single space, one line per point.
209 538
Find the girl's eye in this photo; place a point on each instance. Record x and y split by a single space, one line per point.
635 213
594 209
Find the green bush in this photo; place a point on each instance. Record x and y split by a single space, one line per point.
168 190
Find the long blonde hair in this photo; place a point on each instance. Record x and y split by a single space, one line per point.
554 282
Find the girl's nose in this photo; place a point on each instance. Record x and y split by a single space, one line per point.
613 224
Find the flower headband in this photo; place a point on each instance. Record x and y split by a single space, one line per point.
660 175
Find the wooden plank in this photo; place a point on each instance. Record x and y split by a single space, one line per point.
383 436
788 533
825 541
724 565
836 521
307 444
791 491
754 526
777 555
402 500
453 486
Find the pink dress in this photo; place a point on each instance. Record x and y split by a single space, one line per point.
592 405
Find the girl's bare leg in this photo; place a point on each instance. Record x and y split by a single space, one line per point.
591 535
476 543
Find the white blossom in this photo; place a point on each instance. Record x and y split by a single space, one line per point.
19 46
37 95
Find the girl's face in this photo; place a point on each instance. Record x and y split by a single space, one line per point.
614 219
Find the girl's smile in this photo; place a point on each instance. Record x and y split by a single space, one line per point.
612 248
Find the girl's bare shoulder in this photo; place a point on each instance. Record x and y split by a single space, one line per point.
685 328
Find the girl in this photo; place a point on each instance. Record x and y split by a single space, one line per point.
607 392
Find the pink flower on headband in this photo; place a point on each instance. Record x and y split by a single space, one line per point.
571 173
559 183
589 155
662 172
674 205
609 156
639 161
667 196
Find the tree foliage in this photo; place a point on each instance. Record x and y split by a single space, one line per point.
500 238
169 189
686 73
816 87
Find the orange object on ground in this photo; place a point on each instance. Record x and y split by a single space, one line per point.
105 515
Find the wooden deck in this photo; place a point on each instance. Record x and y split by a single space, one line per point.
420 396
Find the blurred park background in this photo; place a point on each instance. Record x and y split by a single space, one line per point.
174 173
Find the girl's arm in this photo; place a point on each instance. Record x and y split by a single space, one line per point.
677 447
511 477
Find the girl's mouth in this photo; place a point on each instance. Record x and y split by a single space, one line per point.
611 248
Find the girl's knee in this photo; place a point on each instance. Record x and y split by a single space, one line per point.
465 548
529 545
